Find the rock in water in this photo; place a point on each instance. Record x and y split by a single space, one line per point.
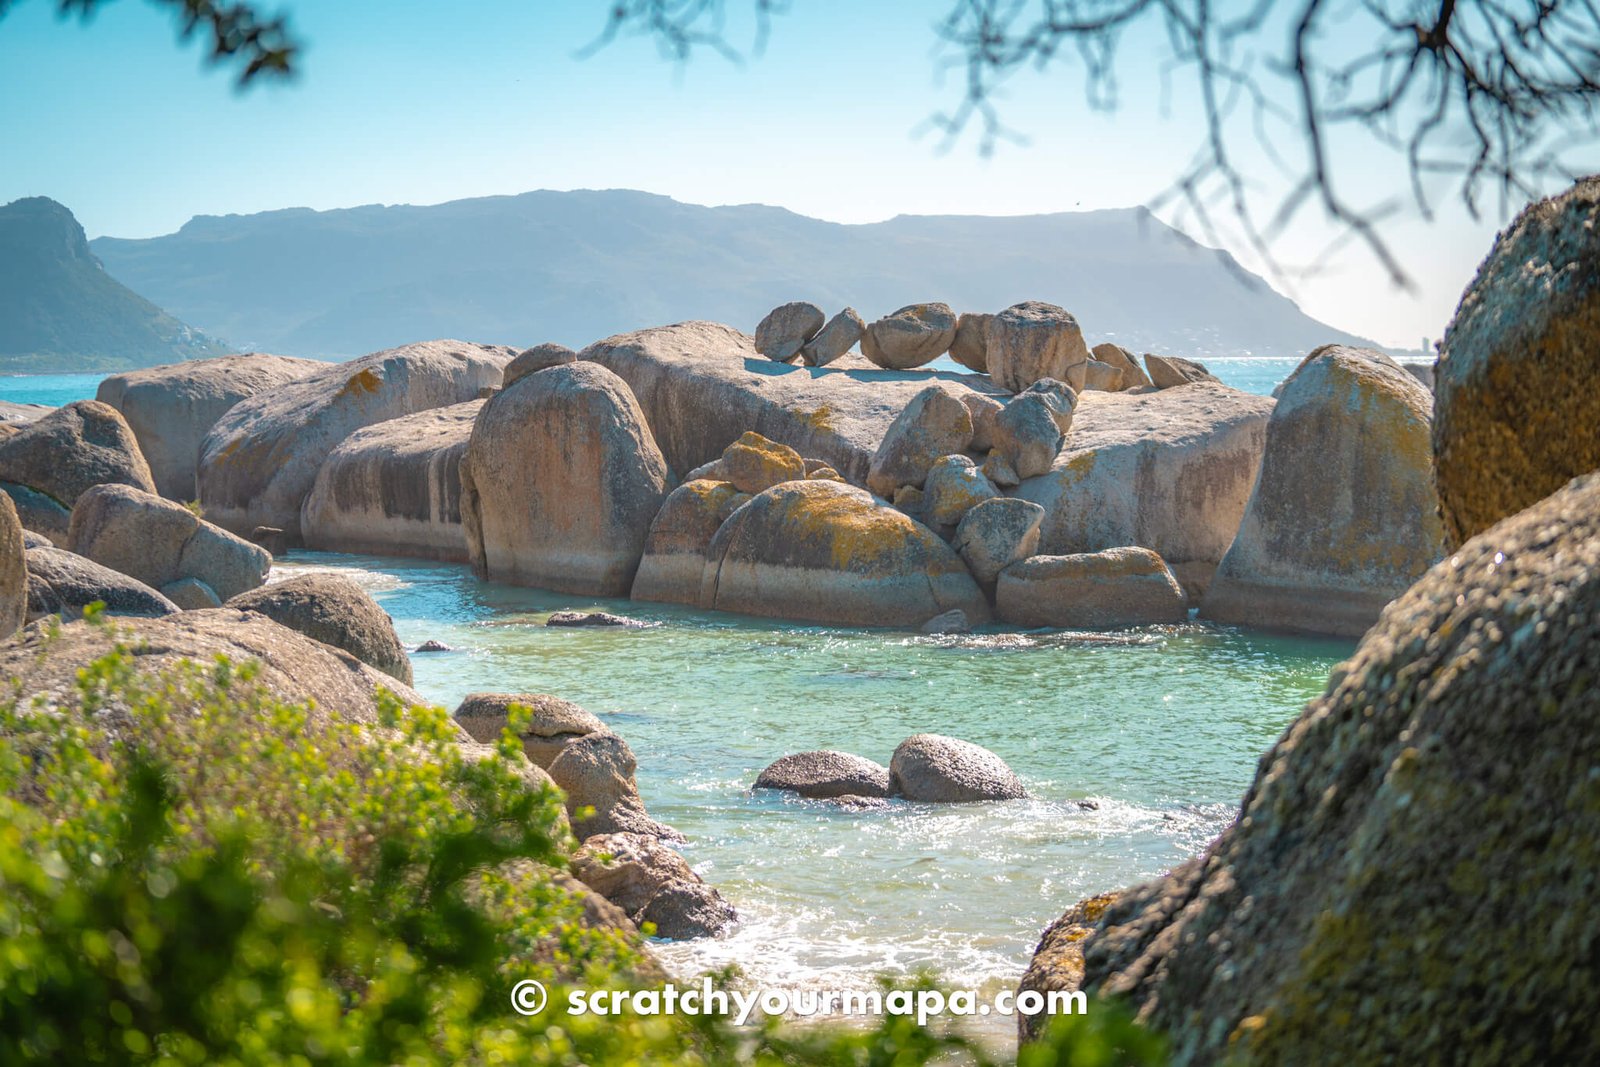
1091 591
912 336
936 423
652 884
73 449
945 770
336 611
594 618
786 329
394 489
829 553
171 409
561 480
13 570
970 348
1036 340
64 583
158 542
1169 371
1344 516
824 775
260 460
837 337
597 771
1516 407
954 621
1413 874
674 562
535 359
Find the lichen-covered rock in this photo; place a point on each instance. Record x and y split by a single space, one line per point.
970 348
596 770
1412 875
333 609
1133 375
1516 405
999 470
674 561
535 359
394 488
1170 471
914 335
73 449
955 486
170 409
13 570
830 553
996 534
1028 435
753 463
1169 371
561 480
39 512
1090 591
1034 340
653 884
786 329
260 460
823 775
936 769
936 423
191 594
834 340
64 583
554 725
1344 516
158 541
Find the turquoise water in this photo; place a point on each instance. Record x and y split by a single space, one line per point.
1159 729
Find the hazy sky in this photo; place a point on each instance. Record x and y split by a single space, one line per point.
421 101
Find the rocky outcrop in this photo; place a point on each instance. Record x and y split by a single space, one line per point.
39 512
553 724
786 329
1133 375
13 571
535 359
701 385
1421 842
159 542
955 486
825 775
261 459
1343 517
73 449
171 409
1035 340
652 884
64 583
561 480
1090 591
1167 372
829 553
996 534
674 561
335 610
596 771
1170 471
834 340
1515 400
913 335
394 489
936 769
934 424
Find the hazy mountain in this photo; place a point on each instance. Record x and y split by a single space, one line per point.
577 266
60 310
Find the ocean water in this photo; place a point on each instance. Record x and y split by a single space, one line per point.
1136 747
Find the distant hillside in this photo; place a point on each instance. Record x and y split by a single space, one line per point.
60 311
577 266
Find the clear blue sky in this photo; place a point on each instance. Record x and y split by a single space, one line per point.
421 101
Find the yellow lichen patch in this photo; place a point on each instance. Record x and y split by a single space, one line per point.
819 419
365 380
856 533
753 463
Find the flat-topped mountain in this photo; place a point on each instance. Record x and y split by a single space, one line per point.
60 310
577 266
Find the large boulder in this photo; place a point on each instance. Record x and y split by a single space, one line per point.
159 542
829 553
970 348
753 463
64 583
1090 591
1344 516
936 423
260 460
674 561
1412 875
292 666
936 769
553 724
701 385
914 335
333 609
786 329
653 884
1170 471
535 359
73 449
1515 400
596 771
825 775
1034 340
394 489
171 408
561 480
39 512
13 570
996 534
834 340
1028 433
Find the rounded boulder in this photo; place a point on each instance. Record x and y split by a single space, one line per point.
936 769
335 610
824 775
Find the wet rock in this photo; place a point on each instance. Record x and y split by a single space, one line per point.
594 618
936 769
996 534
914 335
836 338
1090 591
954 621
786 329
936 423
824 775
431 645
335 610
1036 340
653 884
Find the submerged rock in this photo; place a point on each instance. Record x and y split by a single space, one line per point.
1090 591
824 775
946 770
335 610
594 618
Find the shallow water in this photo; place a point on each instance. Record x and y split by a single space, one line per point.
1159 729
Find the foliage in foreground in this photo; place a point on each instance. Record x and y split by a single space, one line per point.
195 872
